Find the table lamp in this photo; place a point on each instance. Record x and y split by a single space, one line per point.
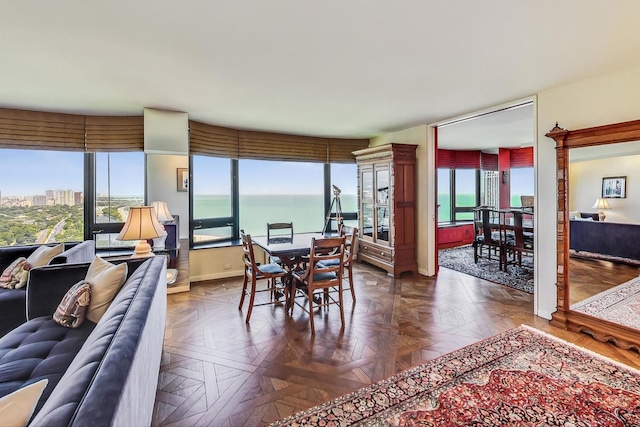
601 204
163 215
142 224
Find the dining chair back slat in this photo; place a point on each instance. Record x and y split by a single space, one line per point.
324 271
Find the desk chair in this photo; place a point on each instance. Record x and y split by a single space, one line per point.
254 272
321 276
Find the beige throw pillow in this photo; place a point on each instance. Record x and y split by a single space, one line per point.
44 254
105 279
16 408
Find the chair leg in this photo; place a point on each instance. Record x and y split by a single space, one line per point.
313 329
353 291
244 292
252 297
340 300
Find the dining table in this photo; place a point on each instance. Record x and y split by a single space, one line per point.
291 251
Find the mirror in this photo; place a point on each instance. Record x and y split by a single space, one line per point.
598 263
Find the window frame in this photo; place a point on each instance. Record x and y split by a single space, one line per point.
233 221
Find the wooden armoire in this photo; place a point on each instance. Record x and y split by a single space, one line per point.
387 207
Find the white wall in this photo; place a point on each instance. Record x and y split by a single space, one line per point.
162 185
585 186
602 100
425 215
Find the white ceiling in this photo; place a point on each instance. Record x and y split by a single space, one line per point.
348 68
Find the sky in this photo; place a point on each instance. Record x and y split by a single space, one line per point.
33 172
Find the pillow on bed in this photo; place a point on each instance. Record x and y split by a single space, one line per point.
593 216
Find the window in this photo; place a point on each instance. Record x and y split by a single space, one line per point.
458 194
41 197
522 184
119 184
213 212
345 177
466 194
444 195
274 191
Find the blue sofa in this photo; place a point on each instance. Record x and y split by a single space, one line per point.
102 374
12 301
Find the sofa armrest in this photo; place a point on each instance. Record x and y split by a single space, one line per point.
47 285
11 253
82 252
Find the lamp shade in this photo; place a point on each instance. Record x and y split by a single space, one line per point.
601 204
141 224
162 211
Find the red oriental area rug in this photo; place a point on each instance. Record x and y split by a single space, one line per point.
522 377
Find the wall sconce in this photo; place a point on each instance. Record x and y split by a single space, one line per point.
505 177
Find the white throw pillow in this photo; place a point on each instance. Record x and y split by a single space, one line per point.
105 279
574 214
16 408
44 254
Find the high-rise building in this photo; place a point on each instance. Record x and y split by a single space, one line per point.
78 198
64 197
39 200
491 189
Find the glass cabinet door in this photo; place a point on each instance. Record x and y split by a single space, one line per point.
367 185
382 229
367 219
382 186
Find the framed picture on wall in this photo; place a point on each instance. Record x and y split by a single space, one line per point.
614 187
183 179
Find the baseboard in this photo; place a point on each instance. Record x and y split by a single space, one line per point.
213 276
544 314
424 272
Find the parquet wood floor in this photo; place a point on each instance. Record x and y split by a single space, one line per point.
218 371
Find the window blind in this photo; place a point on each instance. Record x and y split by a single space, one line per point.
114 133
340 150
283 147
35 130
212 140
521 157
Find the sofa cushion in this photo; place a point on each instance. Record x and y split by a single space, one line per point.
44 254
36 350
105 279
16 408
71 310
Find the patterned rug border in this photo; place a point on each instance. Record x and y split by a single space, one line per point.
518 338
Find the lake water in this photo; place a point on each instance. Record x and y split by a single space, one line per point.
306 211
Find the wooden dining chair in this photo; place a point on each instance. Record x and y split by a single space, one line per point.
254 272
349 252
517 242
488 234
319 276
278 231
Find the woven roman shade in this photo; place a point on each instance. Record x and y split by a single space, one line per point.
209 140
521 157
35 130
115 133
275 146
340 150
